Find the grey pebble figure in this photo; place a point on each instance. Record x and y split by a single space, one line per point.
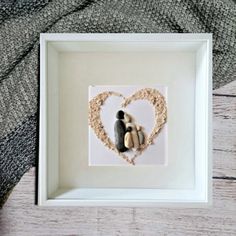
120 131
141 136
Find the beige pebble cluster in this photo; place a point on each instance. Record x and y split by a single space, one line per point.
151 95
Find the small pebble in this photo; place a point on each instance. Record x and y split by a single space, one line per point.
128 138
134 135
120 115
127 118
141 137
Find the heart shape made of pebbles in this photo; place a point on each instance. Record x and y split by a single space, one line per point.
151 95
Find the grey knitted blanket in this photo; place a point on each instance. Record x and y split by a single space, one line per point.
21 22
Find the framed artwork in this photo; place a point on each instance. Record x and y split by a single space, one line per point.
125 120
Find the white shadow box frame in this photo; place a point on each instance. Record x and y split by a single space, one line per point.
69 63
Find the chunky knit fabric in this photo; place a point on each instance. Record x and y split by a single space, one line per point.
21 22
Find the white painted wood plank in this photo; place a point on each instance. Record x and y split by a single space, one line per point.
21 217
224 164
228 89
224 123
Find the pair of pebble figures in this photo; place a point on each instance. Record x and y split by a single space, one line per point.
128 136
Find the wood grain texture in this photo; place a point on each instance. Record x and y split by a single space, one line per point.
224 164
224 123
20 216
228 89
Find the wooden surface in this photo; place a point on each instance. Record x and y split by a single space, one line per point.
20 216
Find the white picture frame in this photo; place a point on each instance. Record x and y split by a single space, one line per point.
53 49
